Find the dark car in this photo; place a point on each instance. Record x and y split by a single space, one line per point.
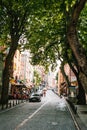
35 98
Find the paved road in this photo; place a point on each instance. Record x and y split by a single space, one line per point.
49 114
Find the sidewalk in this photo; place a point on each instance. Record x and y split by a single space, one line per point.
81 116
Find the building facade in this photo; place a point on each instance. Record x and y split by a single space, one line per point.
27 71
62 85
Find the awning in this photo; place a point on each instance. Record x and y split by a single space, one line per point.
20 85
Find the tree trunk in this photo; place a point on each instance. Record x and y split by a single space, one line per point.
11 69
81 93
5 85
81 98
75 45
6 72
65 76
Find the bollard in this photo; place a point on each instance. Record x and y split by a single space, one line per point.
21 100
6 105
10 104
16 101
13 103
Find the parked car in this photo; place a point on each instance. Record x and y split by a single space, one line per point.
40 92
35 97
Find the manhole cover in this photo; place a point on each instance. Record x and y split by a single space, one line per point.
84 112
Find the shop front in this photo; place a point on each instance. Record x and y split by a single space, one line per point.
18 91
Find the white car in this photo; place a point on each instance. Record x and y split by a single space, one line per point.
35 97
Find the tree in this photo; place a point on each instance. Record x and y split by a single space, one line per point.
55 37
37 78
15 18
75 68
73 39
47 26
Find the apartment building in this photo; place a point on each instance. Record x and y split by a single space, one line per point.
17 65
26 71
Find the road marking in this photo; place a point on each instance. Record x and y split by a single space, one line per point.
27 119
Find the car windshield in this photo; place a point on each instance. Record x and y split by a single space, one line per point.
35 94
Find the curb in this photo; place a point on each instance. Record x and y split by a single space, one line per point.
73 115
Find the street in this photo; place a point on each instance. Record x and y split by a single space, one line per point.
49 114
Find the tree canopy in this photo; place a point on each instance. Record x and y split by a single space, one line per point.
50 29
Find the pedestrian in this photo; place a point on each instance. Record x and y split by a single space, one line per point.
44 93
